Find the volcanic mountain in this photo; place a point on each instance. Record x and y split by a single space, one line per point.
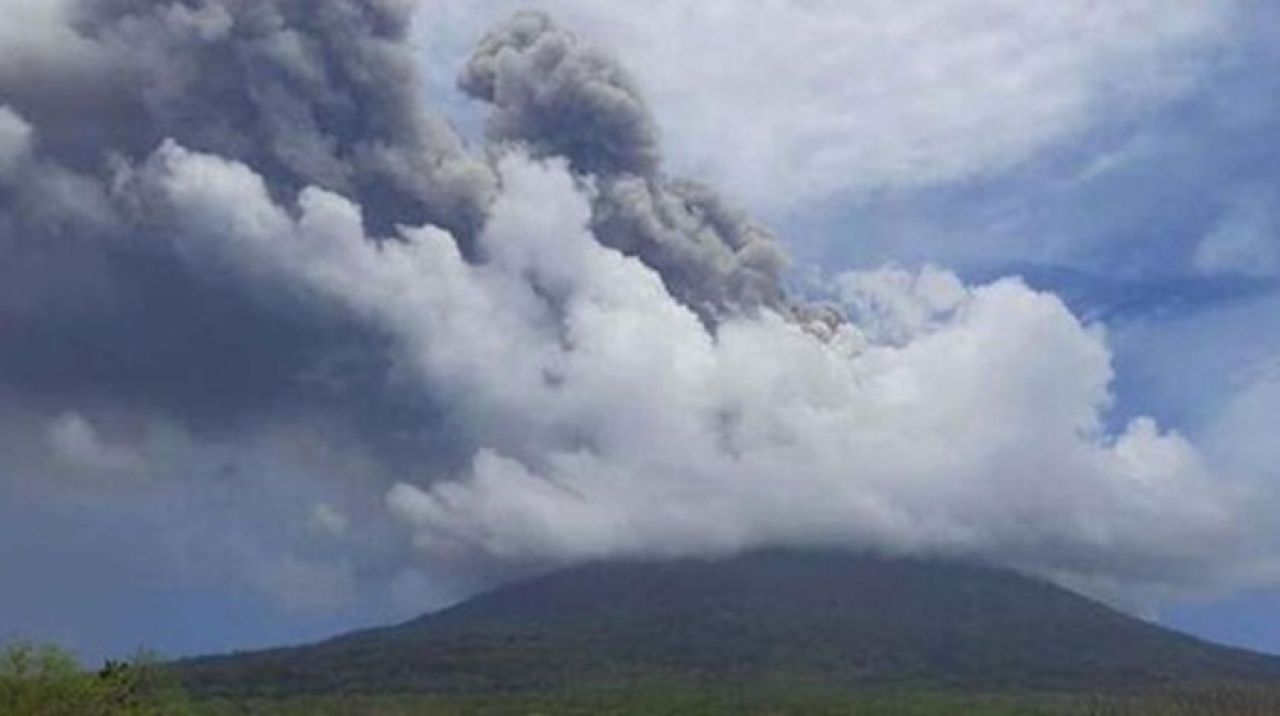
840 620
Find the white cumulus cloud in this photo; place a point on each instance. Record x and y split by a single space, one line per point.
613 422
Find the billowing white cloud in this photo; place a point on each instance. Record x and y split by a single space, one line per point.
612 421
787 101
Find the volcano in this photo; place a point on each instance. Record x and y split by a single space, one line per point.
835 619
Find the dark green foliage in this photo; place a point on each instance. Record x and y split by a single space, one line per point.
653 700
775 622
47 681
1239 699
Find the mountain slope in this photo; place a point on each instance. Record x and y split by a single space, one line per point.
834 619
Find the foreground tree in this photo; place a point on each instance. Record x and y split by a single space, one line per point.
47 681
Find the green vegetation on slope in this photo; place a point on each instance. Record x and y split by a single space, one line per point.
675 700
47 681
672 700
776 619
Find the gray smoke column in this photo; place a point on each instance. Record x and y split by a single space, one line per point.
563 97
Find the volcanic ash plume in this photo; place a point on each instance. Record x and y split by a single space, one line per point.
540 350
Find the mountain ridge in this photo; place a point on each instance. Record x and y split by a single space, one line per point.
834 618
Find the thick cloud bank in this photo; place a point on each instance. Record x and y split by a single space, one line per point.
232 236
626 427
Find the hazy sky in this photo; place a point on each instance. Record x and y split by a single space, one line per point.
316 315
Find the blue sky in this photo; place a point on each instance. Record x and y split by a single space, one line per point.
1123 159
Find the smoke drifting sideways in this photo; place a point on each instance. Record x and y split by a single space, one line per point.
232 235
560 98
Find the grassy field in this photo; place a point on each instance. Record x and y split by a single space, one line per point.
46 681
644 704
1207 701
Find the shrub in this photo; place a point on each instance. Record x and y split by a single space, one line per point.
47 681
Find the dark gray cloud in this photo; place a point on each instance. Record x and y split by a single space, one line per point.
97 304
97 301
711 255
309 93
563 97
